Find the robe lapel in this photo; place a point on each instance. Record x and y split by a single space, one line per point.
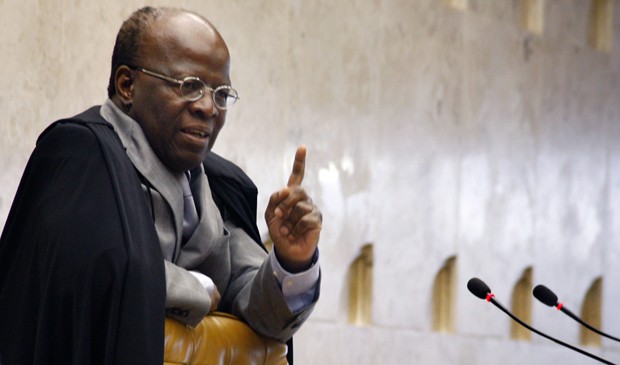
141 154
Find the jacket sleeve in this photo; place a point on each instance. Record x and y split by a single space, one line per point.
186 299
258 297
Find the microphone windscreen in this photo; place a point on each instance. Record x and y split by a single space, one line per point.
545 295
478 288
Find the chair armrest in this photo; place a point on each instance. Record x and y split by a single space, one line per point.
220 339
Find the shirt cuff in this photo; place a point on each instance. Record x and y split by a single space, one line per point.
298 283
205 281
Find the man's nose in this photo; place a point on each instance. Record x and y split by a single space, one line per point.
205 106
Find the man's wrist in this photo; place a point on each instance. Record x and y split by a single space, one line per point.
297 267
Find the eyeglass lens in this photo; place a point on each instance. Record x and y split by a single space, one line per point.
223 96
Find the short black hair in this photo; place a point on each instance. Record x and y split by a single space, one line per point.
131 35
130 38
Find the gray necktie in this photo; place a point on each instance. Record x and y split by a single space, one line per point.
190 214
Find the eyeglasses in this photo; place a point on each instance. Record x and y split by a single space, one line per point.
193 89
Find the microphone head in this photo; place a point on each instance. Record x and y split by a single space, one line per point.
478 288
545 295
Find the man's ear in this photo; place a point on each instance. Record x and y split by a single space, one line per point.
124 84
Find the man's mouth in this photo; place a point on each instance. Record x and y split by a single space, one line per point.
197 133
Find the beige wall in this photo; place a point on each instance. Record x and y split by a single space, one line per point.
431 131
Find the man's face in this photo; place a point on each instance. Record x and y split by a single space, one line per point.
180 132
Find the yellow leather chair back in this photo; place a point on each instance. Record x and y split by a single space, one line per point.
220 339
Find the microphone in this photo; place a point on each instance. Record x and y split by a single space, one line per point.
478 288
546 296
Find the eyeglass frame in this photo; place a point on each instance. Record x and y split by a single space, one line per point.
180 82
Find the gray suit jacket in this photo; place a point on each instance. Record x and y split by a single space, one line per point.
225 253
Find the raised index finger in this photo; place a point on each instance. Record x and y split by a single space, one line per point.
299 167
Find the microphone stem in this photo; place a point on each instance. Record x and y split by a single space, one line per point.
570 314
501 307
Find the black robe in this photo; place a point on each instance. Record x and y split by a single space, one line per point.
81 270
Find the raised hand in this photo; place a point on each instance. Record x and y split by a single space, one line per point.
294 222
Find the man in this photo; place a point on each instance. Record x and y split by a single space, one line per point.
123 214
